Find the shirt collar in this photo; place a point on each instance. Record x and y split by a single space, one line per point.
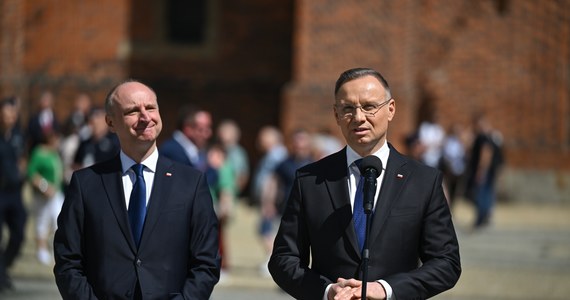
184 141
150 162
188 146
382 154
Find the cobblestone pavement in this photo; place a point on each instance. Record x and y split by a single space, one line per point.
524 254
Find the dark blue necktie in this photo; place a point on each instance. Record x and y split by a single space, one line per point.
137 204
358 215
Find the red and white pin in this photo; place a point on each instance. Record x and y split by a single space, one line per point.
168 174
400 176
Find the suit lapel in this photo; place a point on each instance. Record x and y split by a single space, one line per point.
337 184
336 180
113 185
392 184
159 196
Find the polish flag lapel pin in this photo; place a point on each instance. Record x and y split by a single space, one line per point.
399 176
168 174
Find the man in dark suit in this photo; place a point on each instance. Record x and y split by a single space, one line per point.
414 253
44 121
12 211
109 245
189 142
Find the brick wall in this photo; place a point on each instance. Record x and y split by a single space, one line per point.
508 59
67 47
11 46
275 62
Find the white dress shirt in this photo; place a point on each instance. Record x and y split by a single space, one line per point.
129 177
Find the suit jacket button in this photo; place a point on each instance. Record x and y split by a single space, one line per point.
139 262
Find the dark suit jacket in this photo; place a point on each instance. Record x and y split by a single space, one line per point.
173 150
96 255
35 133
316 242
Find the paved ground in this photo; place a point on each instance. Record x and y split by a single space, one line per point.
524 254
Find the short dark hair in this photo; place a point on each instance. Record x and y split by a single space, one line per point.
9 101
355 73
186 115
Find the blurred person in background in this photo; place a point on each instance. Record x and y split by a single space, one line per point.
300 154
229 134
189 143
42 122
414 148
224 194
12 211
325 144
45 174
279 184
453 161
101 145
431 135
75 130
77 120
264 189
485 161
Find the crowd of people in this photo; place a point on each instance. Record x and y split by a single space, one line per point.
219 154
470 158
43 154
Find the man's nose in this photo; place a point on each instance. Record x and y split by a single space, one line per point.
359 114
144 115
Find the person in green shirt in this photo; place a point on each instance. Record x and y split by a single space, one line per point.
45 173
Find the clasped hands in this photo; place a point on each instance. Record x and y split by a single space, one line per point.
352 289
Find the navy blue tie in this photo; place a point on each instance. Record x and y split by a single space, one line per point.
137 204
358 215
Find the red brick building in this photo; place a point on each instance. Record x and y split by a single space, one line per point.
275 62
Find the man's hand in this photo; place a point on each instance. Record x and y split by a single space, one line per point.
374 291
344 289
352 289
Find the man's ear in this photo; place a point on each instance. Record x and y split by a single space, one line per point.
109 122
336 117
392 109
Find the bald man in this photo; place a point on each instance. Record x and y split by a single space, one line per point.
139 226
